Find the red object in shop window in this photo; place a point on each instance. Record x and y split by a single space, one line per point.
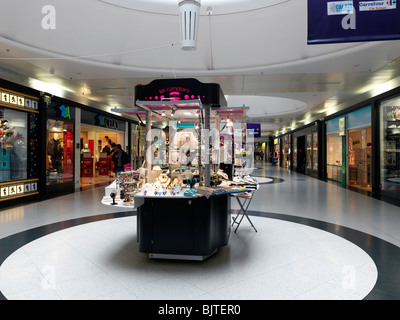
103 166
91 146
87 168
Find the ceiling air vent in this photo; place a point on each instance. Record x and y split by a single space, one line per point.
189 19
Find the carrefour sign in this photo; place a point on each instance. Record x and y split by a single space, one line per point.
378 5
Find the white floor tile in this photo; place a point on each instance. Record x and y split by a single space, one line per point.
104 263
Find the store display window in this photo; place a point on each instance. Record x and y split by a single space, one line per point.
309 152
334 151
138 144
97 147
349 148
390 146
315 151
359 147
59 151
286 150
14 148
276 152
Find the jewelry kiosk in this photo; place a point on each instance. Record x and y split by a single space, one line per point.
186 224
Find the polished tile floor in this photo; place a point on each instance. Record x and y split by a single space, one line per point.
315 240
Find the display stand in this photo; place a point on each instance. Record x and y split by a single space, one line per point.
117 201
104 164
170 225
244 201
87 168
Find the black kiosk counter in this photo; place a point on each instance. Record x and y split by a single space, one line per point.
181 227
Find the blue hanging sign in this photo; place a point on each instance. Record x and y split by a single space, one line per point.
352 21
256 127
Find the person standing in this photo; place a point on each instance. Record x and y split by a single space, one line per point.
120 158
107 147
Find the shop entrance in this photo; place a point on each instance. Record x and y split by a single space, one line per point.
301 154
359 158
96 164
276 155
349 145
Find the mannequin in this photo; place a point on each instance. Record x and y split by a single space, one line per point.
54 151
86 149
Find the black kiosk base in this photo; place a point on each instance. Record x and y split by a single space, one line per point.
186 228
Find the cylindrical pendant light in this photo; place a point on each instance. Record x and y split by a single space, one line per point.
189 19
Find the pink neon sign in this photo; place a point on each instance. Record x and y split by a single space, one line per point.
174 94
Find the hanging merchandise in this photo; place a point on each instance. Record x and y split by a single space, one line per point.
5 134
397 113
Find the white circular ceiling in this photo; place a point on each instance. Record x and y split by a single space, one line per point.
217 6
266 107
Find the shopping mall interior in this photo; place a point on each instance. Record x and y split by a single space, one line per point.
174 150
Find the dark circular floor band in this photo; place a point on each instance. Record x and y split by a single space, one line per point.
385 255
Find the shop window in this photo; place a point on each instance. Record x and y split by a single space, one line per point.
96 151
286 151
315 151
60 152
276 157
13 141
308 152
349 149
359 158
334 156
390 146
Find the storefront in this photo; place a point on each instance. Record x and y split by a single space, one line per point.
389 151
60 130
260 150
306 150
76 142
19 146
349 149
276 151
98 132
286 159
